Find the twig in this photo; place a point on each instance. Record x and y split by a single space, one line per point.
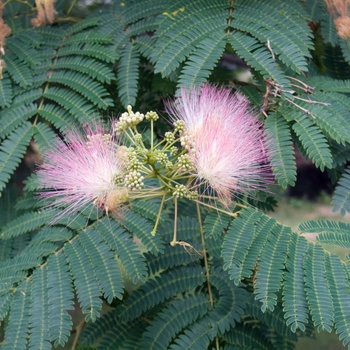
268 44
174 241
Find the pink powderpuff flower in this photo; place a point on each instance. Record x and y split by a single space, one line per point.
84 169
224 139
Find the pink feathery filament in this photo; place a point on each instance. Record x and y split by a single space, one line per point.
228 147
81 170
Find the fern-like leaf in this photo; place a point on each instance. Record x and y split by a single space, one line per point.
56 115
128 74
132 12
150 209
145 45
341 197
13 117
12 151
16 333
200 64
258 57
100 52
60 299
180 33
93 331
18 71
171 257
5 91
13 270
85 283
26 223
336 275
294 296
51 234
196 337
155 291
83 84
250 258
329 232
124 338
229 307
23 50
340 154
5 304
269 274
43 136
328 29
345 48
281 148
332 120
96 70
215 224
142 228
72 102
39 325
172 319
317 289
246 337
327 84
129 255
273 320
314 142
289 37
104 265
238 240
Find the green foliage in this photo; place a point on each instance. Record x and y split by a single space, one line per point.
329 232
341 199
281 148
233 281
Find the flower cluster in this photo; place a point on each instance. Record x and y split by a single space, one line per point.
83 169
224 140
215 151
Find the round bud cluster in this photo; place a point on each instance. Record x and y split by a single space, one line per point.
118 179
169 165
151 116
132 161
161 157
134 180
138 138
128 119
185 162
180 191
179 126
192 195
169 137
173 151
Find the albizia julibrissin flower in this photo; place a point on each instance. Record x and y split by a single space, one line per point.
224 140
84 169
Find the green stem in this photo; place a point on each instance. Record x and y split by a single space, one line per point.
206 264
174 241
234 215
158 216
151 134
78 330
71 6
